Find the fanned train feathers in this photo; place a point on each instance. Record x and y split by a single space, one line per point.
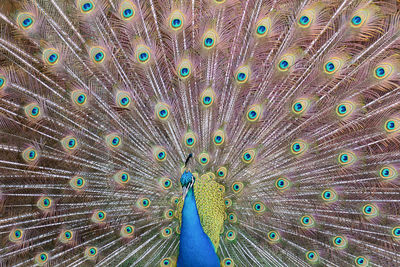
289 108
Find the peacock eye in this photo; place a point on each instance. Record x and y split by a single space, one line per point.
97 54
209 39
339 242
258 207
204 158
127 10
143 54
263 26
312 256
86 6
356 20
162 111
176 20
307 221
304 20
219 137
282 184
242 74
298 147
283 65
329 195
25 20
347 158
383 71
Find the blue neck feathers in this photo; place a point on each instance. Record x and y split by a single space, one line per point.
195 248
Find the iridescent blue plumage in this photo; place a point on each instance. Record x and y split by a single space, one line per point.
195 248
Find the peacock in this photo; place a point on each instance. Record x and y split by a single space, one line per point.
199 133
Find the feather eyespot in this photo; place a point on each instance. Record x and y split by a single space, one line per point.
248 156
160 154
176 20
144 203
30 155
99 216
228 262
69 143
127 10
25 20
97 54
396 233
300 106
32 111
312 256
79 97
298 147
3 81
339 242
383 71
204 158
44 203
219 137
127 231
210 39
222 172
344 109
329 196
388 173
359 18
113 140
143 54
184 69
370 211
230 235
307 221
169 214
254 113
361 261
282 184
190 139
166 232
228 201
346 158
41 258
258 207
167 262
237 187
91 253
86 6
166 183
207 97
242 74
66 236
51 56
77 183
263 26
306 18
162 111
273 237
123 99
286 62
333 65
232 217
16 235
392 125
122 178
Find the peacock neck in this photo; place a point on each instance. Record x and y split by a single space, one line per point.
195 248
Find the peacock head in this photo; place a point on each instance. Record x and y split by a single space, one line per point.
187 178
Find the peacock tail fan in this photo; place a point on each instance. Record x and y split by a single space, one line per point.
288 109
